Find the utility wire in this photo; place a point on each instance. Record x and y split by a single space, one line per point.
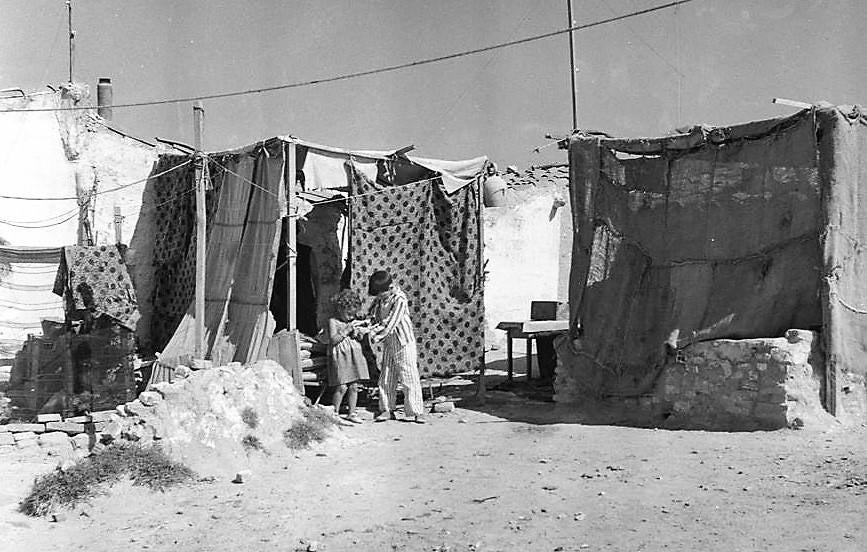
35 227
101 192
37 223
370 72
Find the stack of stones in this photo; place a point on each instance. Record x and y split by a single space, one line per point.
76 437
53 435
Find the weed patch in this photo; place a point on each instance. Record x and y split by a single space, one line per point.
314 427
149 467
250 417
251 442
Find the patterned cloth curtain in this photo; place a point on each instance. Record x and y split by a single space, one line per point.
430 242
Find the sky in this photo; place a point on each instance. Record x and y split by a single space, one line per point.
710 61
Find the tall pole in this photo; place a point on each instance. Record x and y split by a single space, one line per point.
292 237
198 132
573 69
71 36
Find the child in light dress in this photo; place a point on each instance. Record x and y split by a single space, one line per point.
347 365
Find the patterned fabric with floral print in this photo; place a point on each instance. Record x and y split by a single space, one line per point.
430 243
94 278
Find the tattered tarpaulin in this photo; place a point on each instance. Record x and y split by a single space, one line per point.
737 232
243 236
94 278
324 166
430 242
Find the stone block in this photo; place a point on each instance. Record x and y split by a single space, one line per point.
78 419
136 408
444 407
66 427
44 418
53 438
81 441
28 444
24 436
18 428
103 416
121 411
111 432
6 439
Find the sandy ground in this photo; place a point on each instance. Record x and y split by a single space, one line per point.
512 475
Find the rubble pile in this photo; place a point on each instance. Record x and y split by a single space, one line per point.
200 419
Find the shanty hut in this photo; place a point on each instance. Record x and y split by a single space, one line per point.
288 223
735 232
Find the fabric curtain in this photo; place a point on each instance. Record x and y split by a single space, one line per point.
430 242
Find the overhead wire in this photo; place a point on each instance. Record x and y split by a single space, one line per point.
30 223
102 192
35 227
370 72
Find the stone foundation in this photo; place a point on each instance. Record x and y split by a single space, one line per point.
744 384
199 419
730 385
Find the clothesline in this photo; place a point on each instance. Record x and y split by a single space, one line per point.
332 200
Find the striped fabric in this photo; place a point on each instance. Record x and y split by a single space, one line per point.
399 365
399 353
391 317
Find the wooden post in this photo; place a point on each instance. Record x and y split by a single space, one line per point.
482 391
292 250
201 226
71 37
118 225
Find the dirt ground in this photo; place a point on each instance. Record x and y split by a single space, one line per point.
514 474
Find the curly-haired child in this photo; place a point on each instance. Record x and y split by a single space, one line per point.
347 365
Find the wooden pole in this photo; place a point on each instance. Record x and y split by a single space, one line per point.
572 69
201 226
481 207
118 225
71 37
292 238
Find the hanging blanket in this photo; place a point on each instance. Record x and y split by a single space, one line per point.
430 242
95 278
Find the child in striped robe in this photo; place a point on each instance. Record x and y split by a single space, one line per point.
393 327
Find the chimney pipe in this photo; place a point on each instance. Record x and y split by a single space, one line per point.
104 98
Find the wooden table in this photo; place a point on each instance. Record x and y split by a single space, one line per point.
529 330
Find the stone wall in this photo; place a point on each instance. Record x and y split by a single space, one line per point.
200 419
726 384
745 384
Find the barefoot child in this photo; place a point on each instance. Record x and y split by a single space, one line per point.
347 365
393 327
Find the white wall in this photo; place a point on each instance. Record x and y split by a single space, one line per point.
525 246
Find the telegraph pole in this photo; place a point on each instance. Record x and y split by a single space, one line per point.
71 37
573 69
198 132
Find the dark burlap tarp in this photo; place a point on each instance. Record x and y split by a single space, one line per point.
735 232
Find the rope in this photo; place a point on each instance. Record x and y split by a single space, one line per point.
370 72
